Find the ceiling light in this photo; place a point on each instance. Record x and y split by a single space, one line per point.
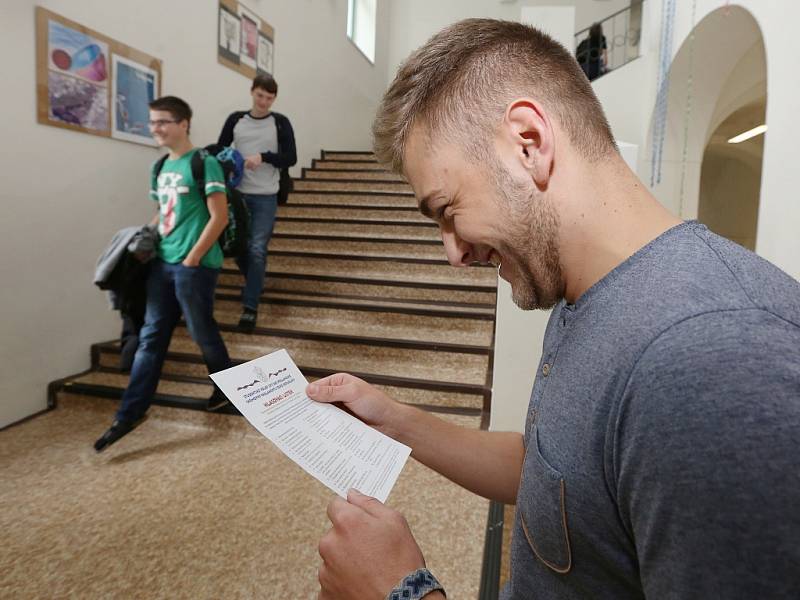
748 134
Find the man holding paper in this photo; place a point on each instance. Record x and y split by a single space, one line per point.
660 453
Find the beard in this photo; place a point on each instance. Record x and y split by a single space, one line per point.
530 241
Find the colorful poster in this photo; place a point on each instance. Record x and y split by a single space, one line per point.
249 37
77 54
77 102
133 88
230 30
264 54
77 78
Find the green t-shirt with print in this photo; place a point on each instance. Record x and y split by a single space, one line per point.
183 212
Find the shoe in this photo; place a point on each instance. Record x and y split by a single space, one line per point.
117 430
217 401
247 322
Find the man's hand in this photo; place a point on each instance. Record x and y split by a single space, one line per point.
368 403
251 162
368 550
190 261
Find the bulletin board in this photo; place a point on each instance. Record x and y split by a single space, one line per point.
245 41
88 82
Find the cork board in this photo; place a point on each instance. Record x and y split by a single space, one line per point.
245 41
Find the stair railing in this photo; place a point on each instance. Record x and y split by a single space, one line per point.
622 31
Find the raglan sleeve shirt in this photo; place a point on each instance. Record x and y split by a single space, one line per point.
286 156
226 135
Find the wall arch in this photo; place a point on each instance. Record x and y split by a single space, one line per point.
717 66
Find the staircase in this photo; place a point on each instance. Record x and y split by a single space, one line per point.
357 281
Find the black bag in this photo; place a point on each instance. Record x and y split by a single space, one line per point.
285 186
233 239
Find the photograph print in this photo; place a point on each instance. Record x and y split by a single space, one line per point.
265 59
77 78
249 37
230 30
134 87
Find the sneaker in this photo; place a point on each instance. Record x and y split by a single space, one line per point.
217 401
117 430
247 322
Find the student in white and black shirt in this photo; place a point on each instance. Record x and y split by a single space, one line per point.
266 140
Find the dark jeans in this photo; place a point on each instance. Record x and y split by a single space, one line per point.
262 210
172 289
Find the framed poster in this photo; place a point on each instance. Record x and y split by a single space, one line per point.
264 63
133 88
229 40
76 69
248 54
77 78
245 41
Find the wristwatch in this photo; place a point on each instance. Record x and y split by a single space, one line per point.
416 585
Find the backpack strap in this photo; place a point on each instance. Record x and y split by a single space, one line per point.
159 164
155 171
199 171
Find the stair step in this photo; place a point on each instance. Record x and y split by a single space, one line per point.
197 389
429 369
378 269
357 214
306 185
344 321
431 308
350 165
384 230
404 249
349 155
351 175
366 290
365 200
357 280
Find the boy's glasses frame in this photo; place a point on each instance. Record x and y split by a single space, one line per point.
160 122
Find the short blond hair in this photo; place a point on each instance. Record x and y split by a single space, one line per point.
459 83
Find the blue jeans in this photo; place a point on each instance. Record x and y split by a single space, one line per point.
172 289
262 220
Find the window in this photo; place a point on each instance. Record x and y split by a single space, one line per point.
361 26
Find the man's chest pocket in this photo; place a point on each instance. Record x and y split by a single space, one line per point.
542 507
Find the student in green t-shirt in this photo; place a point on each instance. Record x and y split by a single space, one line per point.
183 277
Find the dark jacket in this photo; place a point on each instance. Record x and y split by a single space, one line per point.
287 152
123 274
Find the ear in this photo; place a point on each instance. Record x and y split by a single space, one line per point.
532 139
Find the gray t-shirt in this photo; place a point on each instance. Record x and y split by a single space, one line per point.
254 136
663 433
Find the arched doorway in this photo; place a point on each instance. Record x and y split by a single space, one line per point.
730 176
717 83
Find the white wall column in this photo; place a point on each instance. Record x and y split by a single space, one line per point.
518 333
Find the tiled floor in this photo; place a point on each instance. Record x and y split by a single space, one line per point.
190 505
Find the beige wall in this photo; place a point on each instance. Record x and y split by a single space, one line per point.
66 193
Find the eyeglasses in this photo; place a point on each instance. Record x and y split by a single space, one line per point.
160 122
